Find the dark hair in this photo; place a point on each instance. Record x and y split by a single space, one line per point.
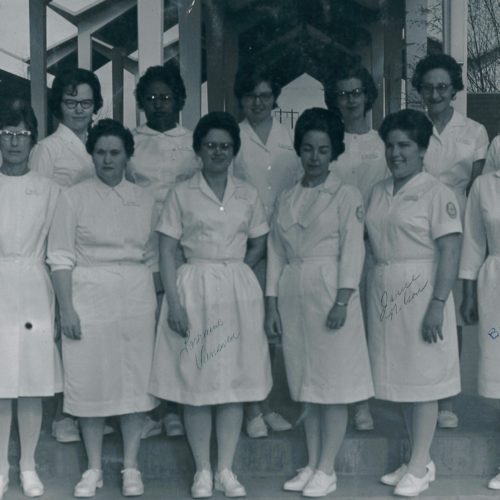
170 75
248 77
217 120
438 61
72 78
109 127
322 120
16 111
412 122
344 72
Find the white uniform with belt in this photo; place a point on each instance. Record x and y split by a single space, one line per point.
29 360
402 229
225 357
62 157
481 261
103 235
316 247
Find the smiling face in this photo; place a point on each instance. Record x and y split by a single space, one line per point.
258 104
15 149
404 156
77 107
160 106
437 91
110 159
315 155
216 151
351 99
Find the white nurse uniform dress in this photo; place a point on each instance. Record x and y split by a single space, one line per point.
62 157
402 229
316 247
492 163
481 261
225 357
29 359
103 235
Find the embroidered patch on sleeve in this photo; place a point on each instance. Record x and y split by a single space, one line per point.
360 213
451 209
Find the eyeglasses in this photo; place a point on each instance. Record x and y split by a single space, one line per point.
221 146
10 134
441 88
73 103
345 94
264 96
159 97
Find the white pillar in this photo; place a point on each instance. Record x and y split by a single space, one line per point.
455 42
85 46
150 33
190 59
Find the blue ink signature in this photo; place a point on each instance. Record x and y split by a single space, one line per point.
493 333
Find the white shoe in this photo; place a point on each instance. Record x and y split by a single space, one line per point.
411 486
256 427
31 484
227 482
151 428
173 425
277 422
494 483
202 484
320 484
91 479
447 419
108 429
132 485
393 478
66 430
363 420
299 481
4 485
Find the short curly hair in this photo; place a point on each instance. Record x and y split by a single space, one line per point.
438 61
248 77
344 72
170 75
414 123
15 111
72 78
322 120
217 120
108 127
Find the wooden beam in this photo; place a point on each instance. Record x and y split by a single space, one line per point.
38 63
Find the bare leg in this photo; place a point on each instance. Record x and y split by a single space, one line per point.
333 422
424 426
92 433
198 423
5 423
313 430
29 418
131 426
228 426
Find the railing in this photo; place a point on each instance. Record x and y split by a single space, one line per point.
287 118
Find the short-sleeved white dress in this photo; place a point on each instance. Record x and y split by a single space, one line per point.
316 247
225 358
30 365
103 235
402 229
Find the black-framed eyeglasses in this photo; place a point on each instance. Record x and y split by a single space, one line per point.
345 94
159 98
441 88
221 146
263 96
10 134
73 103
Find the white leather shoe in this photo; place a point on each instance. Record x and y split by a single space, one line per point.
4 485
411 486
320 484
227 482
393 478
256 427
494 483
202 484
91 479
299 481
132 485
31 484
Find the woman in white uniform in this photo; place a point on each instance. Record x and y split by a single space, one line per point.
414 228
211 350
268 162
480 270
455 156
163 154
29 359
75 97
351 90
100 255
315 258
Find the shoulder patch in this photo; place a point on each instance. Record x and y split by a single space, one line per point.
451 210
360 213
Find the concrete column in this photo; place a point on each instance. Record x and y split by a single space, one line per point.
150 33
38 62
377 71
231 59
214 36
416 45
85 46
117 83
455 42
190 59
